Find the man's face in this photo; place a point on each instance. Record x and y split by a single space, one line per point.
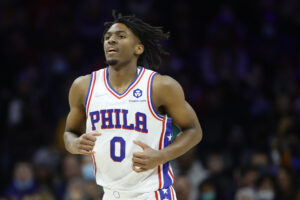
121 46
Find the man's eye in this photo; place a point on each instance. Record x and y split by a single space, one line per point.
106 37
122 36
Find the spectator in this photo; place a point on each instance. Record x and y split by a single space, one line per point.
183 188
189 166
70 170
219 176
23 182
265 188
75 190
91 189
288 187
208 191
245 194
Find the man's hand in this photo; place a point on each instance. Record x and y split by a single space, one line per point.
147 159
85 143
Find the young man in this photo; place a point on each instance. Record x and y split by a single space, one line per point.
122 115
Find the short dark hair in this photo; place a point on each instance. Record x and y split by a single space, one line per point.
150 36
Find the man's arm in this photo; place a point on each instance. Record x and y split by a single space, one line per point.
167 93
76 141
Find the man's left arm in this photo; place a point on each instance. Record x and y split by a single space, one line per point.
168 93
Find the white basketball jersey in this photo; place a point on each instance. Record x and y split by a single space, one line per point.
121 119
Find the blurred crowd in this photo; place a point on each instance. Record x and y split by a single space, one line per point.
238 63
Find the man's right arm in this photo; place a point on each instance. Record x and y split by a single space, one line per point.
76 141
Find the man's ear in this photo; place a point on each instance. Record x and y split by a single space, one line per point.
139 49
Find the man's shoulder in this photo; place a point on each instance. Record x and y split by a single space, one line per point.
81 85
82 80
166 89
164 82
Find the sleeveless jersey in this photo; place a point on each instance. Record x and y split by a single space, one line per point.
121 119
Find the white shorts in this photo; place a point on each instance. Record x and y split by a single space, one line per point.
163 194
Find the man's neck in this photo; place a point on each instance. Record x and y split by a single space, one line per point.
121 77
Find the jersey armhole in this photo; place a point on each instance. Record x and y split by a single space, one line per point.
90 92
150 102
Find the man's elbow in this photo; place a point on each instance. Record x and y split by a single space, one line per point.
198 136
65 138
67 141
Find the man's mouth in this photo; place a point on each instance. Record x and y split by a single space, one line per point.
111 50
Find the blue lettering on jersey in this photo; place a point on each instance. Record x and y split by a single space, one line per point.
107 121
94 116
117 112
113 155
140 120
106 118
125 125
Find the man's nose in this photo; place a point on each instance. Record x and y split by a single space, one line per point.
112 40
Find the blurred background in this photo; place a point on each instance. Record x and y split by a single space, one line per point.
239 65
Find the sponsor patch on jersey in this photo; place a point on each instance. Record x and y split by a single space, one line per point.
137 93
135 100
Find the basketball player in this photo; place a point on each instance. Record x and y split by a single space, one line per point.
122 115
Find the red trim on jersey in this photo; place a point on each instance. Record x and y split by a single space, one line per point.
90 97
156 195
172 189
148 98
95 166
160 147
172 176
162 133
159 177
129 89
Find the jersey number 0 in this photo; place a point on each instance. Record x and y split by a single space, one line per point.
113 154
